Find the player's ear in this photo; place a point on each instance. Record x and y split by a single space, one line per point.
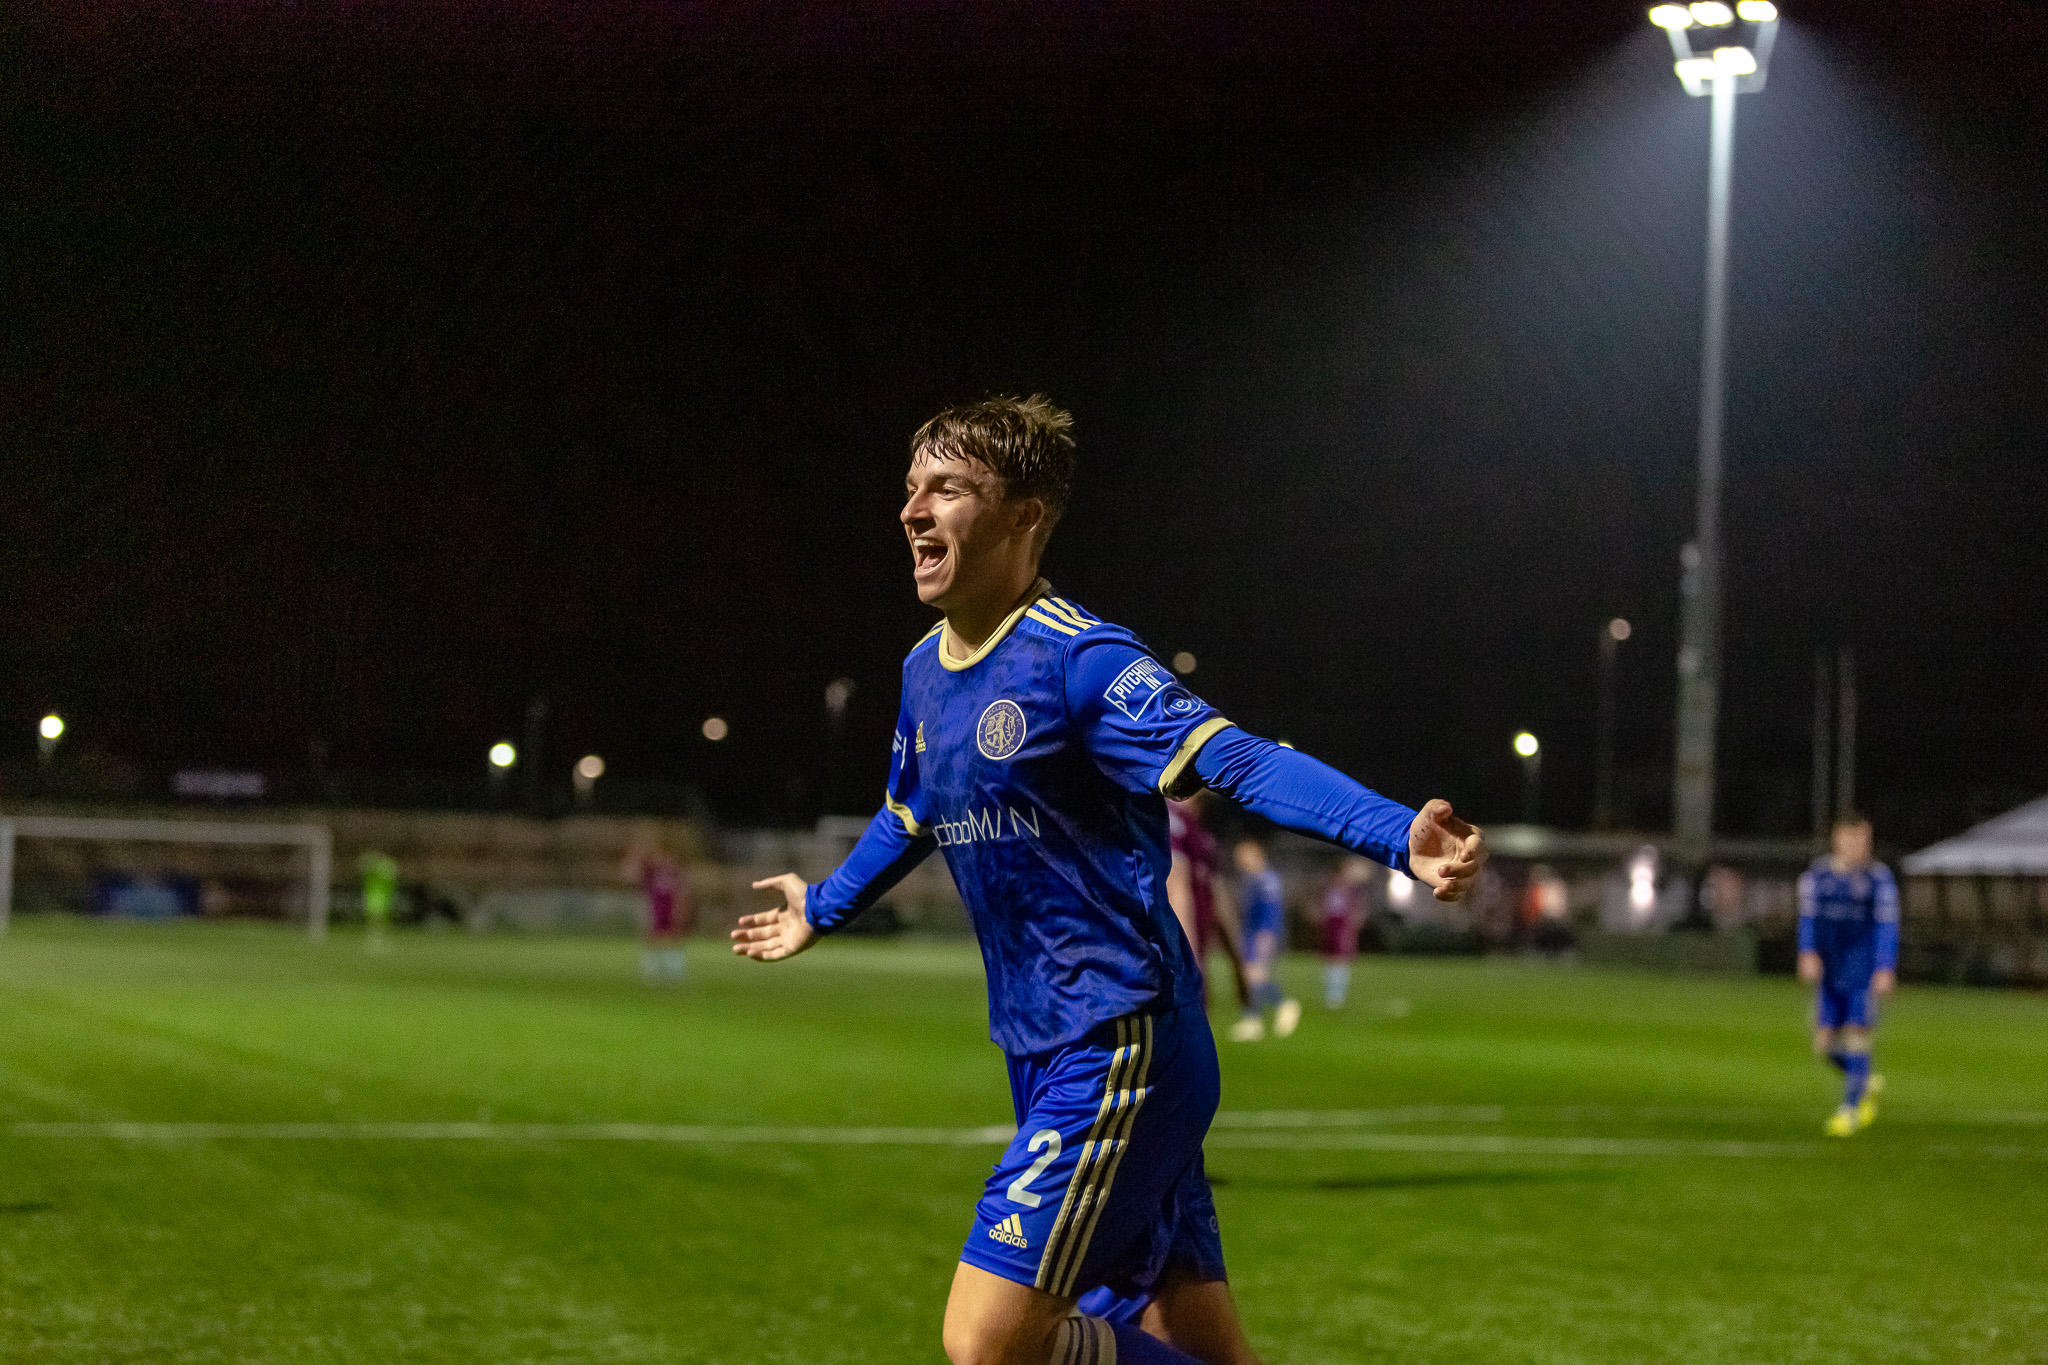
1030 515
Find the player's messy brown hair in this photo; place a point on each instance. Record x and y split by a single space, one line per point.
1026 442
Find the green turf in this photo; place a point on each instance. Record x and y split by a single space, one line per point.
1925 1239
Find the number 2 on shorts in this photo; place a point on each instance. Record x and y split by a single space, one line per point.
1020 1188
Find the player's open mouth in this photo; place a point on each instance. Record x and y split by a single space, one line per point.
929 554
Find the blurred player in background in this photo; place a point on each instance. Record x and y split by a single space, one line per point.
380 889
1038 745
670 908
1262 917
1191 888
1849 948
1344 914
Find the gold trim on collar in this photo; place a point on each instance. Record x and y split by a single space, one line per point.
952 665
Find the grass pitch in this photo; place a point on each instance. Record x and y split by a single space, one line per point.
226 1144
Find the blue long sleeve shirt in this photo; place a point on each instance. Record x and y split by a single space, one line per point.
1851 918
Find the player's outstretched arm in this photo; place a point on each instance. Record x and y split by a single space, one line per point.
772 935
1444 851
1296 792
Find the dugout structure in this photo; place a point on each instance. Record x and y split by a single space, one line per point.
1976 906
315 839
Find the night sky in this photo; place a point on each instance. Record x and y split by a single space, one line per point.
370 370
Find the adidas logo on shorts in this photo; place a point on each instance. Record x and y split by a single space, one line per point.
1010 1230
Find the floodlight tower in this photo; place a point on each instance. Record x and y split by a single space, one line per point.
1720 52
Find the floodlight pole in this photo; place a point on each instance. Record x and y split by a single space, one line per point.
1699 649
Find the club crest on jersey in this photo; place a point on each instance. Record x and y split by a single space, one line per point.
1001 731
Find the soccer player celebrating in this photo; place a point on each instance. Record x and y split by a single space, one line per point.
1037 747
1849 948
1265 929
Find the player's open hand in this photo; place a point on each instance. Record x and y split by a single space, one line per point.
1445 852
782 932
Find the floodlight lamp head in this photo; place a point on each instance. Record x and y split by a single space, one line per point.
1671 17
1711 14
1697 74
52 727
503 755
1734 61
1526 745
1758 11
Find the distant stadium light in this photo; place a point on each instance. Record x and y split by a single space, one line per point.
1757 11
590 767
503 755
52 727
1711 14
1642 883
1735 61
1619 630
716 729
1183 662
1400 888
839 695
1526 744
1670 16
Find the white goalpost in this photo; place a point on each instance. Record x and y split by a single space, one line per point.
315 839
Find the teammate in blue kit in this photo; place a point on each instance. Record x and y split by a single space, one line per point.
1849 948
1036 746
1264 928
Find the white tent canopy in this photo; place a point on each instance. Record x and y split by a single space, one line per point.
2016 843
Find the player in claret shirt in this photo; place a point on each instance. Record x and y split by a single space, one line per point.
1849 948
1036 747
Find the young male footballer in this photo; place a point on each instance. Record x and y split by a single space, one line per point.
1037 746
1849 949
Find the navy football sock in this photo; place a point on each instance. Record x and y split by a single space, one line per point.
1839 1060
1084 1340
1855 1076
1133 1347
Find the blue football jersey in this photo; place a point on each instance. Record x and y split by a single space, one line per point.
1850 918
1265 904
1040 767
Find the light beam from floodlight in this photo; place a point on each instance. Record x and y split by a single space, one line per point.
503 755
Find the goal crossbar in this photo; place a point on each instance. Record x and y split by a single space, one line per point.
315 839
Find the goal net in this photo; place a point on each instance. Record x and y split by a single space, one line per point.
116 843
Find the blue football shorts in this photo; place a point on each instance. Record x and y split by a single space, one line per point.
1845 1004
1102 1189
